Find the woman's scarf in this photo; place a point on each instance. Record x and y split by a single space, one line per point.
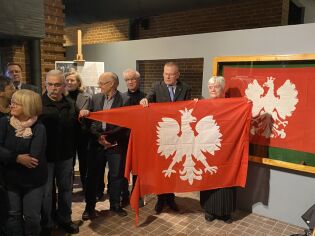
23 128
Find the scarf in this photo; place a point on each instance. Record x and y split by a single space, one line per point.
22 129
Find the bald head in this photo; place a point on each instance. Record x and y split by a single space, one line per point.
108 82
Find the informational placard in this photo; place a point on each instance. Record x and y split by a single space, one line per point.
89 71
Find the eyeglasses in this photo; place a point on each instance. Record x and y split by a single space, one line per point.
216 87
170 75
103 83
15 104
57 85
130 80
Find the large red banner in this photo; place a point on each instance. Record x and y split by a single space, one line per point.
283 104
185 146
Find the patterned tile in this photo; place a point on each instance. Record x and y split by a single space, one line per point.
190 220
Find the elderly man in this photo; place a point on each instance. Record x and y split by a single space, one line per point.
131 97
14 71
58 117
105 146
170 89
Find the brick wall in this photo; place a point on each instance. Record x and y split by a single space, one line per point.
229 15
110 31
191 72
16 51
233 15
51 46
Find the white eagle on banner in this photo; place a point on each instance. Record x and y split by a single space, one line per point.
179 141
270 111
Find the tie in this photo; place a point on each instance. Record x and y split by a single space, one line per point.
171 91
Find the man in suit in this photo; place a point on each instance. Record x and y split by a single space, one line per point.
14 71
105 145
170 89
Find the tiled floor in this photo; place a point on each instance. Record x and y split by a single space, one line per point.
190 221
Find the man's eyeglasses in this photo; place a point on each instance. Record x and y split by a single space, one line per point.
57 85
103 83
130 80
170 75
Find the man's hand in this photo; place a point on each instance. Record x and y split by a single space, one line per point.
102 140
27 161
144 102
84 113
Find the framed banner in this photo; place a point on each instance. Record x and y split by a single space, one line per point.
282 89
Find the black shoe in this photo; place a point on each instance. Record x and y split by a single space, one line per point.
100 196
172 205
125 201
45 231
227 219
119 211
70 227
159 207
89 215
209 217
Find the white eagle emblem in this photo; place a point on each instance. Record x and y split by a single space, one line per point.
269 111
180 141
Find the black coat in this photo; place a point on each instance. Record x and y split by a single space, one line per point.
59 119
159 92
17 176
133 98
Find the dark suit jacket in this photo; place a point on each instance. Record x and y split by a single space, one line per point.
159 92
29 87
113 133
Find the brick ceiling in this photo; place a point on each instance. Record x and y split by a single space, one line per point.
89 11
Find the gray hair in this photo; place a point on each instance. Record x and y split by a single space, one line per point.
56 73
131 71
217 79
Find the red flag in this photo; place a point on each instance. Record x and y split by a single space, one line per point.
185 146
283 104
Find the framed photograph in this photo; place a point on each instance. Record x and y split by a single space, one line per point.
281 88
89 71
65 66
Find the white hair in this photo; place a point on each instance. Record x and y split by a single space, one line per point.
217 79
131 71
56 73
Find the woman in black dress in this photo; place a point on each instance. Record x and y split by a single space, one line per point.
218 203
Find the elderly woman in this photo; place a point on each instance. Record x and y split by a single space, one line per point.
218 203
22 151
76 92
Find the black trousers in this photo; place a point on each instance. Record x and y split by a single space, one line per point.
166 197
81 149
96 160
